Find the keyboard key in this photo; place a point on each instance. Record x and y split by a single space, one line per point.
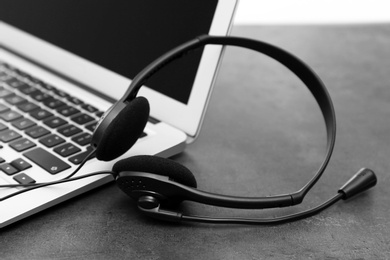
23 123
91 127
46 86
75 101
99 114
27 107
54 122
20 164
22 144
5 92
8 169
19 72
15 100
82 139
78 158
36 81
3 126
89 108
40 114
4 76
27 89
82 119
39 95
69 130
67 149
37 131
53 103
3 108
15 83
23 178
60 93
10 115
68 111
51 140
8 135
46 160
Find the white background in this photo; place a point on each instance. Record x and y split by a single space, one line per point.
312 11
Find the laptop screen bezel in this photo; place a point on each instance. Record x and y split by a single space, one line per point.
187 117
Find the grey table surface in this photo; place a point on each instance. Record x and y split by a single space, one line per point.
263 134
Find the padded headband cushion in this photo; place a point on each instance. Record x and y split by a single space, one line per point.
157 165
124 130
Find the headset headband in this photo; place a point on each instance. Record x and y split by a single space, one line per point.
298 67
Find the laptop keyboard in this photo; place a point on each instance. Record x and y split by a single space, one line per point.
45 126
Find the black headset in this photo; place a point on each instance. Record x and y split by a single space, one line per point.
158 184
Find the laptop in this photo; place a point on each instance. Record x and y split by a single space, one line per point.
63 63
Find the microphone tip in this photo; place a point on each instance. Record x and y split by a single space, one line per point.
363 180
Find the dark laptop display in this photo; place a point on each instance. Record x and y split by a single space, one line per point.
120 36
64 62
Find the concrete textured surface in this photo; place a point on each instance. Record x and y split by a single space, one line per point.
263 134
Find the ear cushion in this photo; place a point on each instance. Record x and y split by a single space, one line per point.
157 165
124 130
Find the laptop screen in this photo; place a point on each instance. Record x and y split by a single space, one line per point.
122 36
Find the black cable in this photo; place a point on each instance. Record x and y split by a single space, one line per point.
40 185
33 186
89 156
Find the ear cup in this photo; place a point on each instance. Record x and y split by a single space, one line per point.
157 165
124 130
